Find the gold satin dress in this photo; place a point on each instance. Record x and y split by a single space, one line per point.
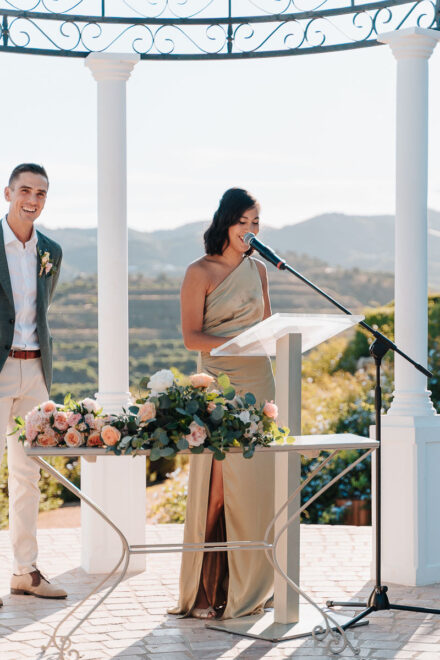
235 305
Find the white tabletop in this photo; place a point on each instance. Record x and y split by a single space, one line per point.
328 442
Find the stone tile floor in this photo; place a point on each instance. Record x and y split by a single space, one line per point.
133 623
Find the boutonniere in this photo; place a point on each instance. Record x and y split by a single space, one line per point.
46 265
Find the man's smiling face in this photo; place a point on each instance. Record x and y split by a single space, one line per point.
26 196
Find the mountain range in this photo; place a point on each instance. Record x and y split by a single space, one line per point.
346 241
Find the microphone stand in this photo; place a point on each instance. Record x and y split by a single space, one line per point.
378 599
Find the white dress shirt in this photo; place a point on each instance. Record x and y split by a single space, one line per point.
22 264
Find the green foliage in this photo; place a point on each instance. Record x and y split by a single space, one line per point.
53 494
170 507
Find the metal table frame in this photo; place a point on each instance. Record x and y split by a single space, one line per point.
331 629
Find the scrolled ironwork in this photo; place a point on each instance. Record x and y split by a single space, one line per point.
204 29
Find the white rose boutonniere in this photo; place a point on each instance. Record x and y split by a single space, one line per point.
46 265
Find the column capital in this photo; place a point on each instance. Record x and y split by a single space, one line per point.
414 42
111 66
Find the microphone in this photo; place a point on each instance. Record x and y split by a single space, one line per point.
266 252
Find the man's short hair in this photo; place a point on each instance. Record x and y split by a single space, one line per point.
27 167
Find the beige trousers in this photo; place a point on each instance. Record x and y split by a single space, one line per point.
22 386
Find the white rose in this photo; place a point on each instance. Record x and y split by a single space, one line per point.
252 430
160 381
90 405
245 416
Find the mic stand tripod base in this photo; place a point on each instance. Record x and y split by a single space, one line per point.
263 626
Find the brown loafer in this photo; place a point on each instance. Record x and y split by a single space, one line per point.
35 584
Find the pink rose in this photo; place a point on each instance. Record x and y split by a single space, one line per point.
197 435
270 409
47 439
73 438
94 440
60 421
73 418
201 380
31 433
49 408
147 411
99 423
211 406
90 420
110 435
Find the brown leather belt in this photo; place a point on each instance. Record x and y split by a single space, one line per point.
23 354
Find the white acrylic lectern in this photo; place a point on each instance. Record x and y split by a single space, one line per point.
285 337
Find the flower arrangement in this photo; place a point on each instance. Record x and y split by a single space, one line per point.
172 418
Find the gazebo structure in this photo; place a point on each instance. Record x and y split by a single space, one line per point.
112 36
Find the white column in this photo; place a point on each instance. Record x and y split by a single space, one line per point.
412 49
117 484
411 429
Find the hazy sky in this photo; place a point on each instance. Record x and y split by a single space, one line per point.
306 135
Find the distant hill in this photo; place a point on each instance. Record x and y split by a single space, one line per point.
364 242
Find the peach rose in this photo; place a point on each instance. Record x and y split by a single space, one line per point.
49 408
94 439
110 435
47 439
197 435
73 438
211 406
60 421
270 409
147 411
201 380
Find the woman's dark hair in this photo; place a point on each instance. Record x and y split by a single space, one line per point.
233 204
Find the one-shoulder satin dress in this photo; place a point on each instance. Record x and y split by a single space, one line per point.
235 305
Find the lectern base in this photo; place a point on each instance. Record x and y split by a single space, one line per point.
262 626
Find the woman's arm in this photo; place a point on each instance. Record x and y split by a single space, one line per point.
192 304
265 284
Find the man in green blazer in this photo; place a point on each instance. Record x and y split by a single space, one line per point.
29 270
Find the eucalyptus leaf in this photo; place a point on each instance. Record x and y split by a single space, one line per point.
250 399
198 420
155 454
229 393
248 453
197 450
134 409
167 452
223 381
191 407
182 443
219 455
217 414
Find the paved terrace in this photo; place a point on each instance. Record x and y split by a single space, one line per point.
133 622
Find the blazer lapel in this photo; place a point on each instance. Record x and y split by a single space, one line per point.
5 279
41 281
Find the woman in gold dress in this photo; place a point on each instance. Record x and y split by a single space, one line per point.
224 293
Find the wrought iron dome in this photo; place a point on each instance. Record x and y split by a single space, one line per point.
204 29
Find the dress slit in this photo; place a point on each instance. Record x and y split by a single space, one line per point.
214 575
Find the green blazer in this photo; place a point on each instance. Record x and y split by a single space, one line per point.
45 290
